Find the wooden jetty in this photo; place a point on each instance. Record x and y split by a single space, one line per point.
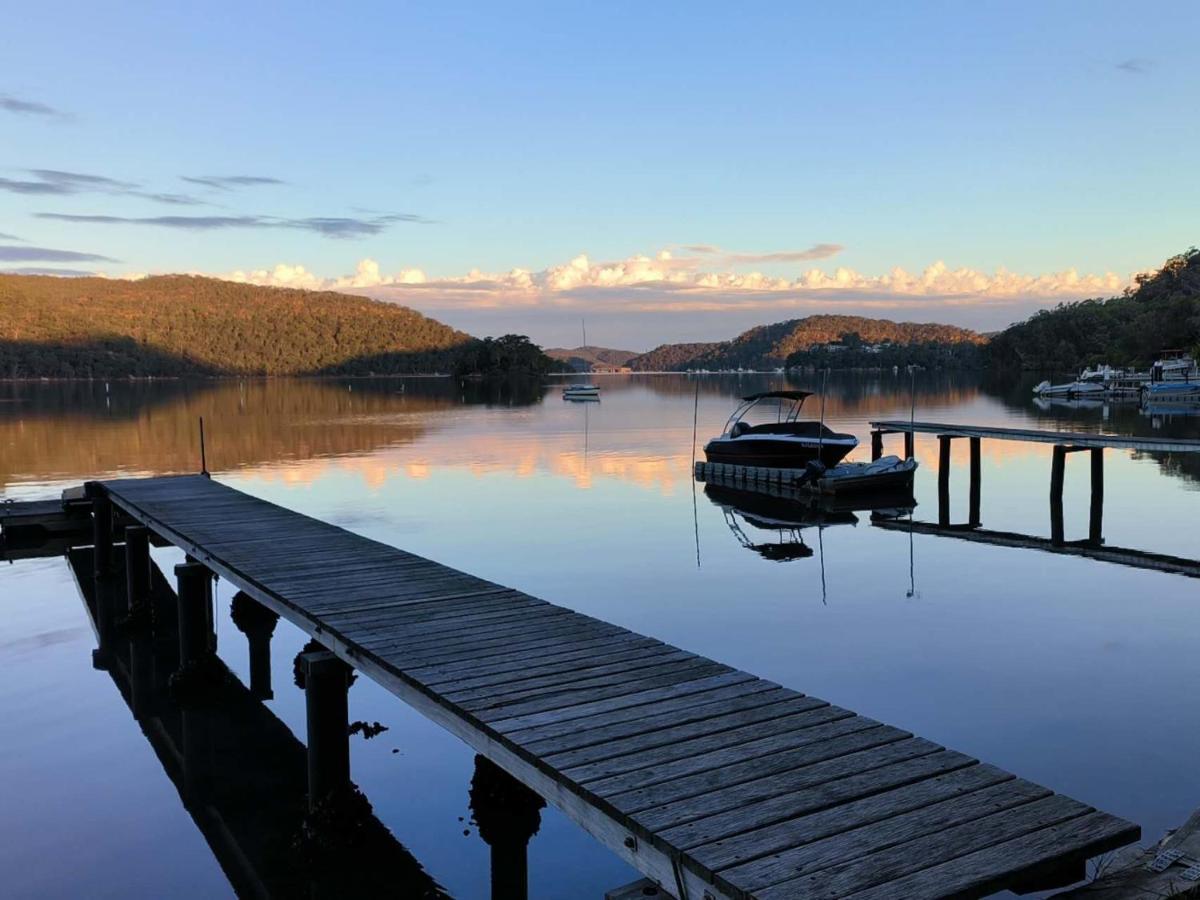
712 782
1064 442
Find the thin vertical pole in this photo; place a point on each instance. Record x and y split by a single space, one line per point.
203 457
821 431
695 514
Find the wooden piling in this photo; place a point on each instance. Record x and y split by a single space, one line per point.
944 479
258 624
137 570
102 535
1058 470
876 445
909 440
326 684
194 643
973 516
1096 516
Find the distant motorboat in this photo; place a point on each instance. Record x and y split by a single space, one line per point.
1174 365
1090 382
785 443
1171 392
581 392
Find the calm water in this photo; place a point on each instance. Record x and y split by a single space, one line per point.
1071 672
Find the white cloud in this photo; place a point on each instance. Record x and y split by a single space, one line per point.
666 282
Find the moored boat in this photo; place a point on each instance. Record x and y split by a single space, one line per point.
581 392
788 442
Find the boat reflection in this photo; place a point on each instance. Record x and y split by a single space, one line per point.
771 521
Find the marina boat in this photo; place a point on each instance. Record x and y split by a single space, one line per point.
1171 392
1091 382
1174 365
581 392
783 441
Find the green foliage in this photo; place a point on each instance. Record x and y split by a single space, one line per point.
768 346
927 354
179 325
511 354
1161 312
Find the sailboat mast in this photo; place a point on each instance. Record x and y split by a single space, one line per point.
583 325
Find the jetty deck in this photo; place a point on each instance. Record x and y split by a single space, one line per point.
712 782
1080 439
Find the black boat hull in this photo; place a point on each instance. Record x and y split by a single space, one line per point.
776 454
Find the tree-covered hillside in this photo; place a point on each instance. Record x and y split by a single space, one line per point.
768 346
183 325
1161 312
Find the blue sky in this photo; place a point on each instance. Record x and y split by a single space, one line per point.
450 144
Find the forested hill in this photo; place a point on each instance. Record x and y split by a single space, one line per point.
768 346
1161 312
184 325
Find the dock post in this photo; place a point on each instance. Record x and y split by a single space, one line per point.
507 814
137 573
257 623
194 645
1096 516
326 685
102 533
909 441
876 445
1057 472
973 517
944 479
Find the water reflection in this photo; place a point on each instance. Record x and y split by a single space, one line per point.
240 773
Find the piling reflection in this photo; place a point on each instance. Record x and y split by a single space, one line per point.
241 774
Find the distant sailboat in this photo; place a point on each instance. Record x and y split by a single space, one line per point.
582 390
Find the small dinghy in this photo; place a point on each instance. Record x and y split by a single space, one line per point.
886 473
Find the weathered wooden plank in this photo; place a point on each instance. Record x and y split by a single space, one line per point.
777 778
639 655
563 702
438 675
816 728
639 719
848 832
678 741
899 860
708 783
591 745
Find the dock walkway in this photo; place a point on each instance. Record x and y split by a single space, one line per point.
1079 439
712 782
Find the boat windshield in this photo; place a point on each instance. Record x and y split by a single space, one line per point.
765 410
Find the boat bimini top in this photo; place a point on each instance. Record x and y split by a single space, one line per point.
788 402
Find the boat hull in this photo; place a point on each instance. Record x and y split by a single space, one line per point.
776 453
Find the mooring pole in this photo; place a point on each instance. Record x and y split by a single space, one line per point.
973 516
203 456
326 684
1058 469
944 479
1095 519
876 445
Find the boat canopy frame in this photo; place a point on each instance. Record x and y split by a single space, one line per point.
793 400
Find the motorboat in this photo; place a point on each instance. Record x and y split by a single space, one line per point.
1174 365
1091 382
1160 392
581 392
783 441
